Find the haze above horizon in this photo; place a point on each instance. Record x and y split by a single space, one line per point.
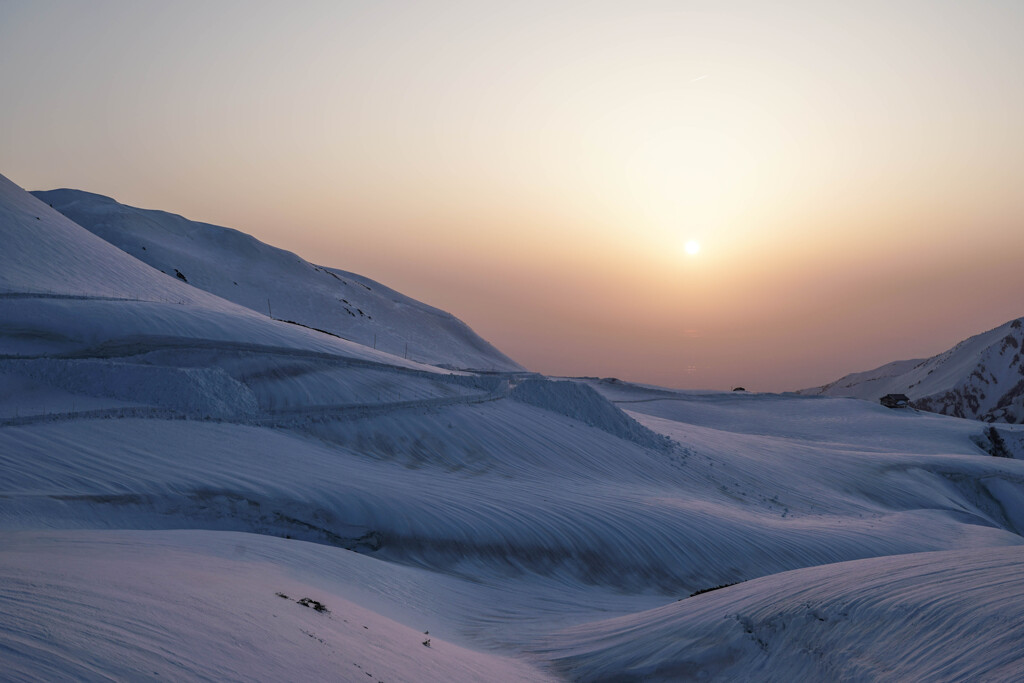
849 173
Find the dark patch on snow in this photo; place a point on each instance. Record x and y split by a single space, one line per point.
713 588
314 604
997 446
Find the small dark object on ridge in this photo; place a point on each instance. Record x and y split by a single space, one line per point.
315 604
895 401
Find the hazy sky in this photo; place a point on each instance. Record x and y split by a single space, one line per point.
853 171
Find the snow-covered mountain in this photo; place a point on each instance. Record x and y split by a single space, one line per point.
65 291
272 281
980 378
190 490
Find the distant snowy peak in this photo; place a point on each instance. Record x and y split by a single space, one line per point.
981 378
240 268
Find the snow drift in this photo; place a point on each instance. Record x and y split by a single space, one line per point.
929 616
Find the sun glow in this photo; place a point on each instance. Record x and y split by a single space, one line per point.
692 247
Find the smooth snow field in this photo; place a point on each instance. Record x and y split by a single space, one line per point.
190 490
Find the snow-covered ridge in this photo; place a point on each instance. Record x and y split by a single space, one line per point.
64 290
981 378
272 281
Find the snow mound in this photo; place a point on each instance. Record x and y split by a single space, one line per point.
241 269
581 402
926 616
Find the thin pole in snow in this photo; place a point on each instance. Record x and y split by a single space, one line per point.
269 313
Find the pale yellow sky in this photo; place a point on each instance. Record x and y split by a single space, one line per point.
851 170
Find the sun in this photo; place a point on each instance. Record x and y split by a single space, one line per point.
692 247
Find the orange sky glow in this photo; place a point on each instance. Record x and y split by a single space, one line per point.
851 171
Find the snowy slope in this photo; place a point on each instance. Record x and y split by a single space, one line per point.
981 377
64 290
204 606
923 617
170 461
45 253
521 520
239 268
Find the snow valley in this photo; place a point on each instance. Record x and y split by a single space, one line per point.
351 485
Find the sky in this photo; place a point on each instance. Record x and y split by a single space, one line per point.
852 172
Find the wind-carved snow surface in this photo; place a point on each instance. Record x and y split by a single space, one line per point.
981 378
580 402
241 269
928 616
183 481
